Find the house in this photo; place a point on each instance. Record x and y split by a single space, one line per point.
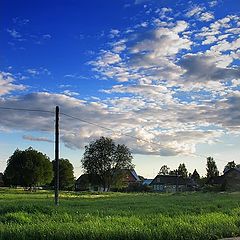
87 183
1 180
229 181
128 178
169 183
195 176
147 182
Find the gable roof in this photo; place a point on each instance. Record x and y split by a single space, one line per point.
216 180
169 179
232 169
133 172
147 181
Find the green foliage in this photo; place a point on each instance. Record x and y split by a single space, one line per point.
198 216
28 168
182 170
164 170
102 158
66 176
212 170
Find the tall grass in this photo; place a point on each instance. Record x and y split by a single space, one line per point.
119 216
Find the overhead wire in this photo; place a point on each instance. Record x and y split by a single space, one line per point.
127 135
97 125
26 109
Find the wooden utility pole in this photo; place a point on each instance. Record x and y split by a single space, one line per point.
57 157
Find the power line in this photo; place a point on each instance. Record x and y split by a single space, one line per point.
110 129
127 135
97 125
26 109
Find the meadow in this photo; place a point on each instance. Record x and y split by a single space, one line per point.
25 215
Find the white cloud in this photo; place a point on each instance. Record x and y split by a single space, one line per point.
32 71
194 11
7 84
114 33
175 127
70 93
173 92
15 34
38 139
106 58
163 41
36 72
213 3
206 17
201 68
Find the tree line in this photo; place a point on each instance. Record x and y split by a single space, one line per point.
211 169
103 161
31 168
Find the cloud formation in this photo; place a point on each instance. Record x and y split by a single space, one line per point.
174 84
7 84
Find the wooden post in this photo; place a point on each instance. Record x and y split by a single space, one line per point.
57 157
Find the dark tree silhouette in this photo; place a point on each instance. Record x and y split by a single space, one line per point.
66 177
212 170
164 170
182 170
28 168
103 158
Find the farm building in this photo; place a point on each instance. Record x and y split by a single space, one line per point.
147 182
1 180
127 178
232 179
169 183
229 181
87 183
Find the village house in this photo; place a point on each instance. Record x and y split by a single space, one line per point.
169 183
1 180
128 178
229 181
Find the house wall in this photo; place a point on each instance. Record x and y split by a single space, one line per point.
1 180
232 181
167 188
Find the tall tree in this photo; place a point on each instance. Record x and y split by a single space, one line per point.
230 165
103 158
28 168
66 177
182 170
164 170
212 170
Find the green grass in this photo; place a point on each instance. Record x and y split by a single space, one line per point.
204 216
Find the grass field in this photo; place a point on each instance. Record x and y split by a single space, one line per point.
204 216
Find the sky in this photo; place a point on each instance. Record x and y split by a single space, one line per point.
164 72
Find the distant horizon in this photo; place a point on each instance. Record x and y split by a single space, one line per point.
167 74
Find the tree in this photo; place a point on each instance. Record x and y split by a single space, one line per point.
212 170
164 170
173 172
66 177
103 158
182 170
28 168
230 165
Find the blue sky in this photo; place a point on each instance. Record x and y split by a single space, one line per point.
163 71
